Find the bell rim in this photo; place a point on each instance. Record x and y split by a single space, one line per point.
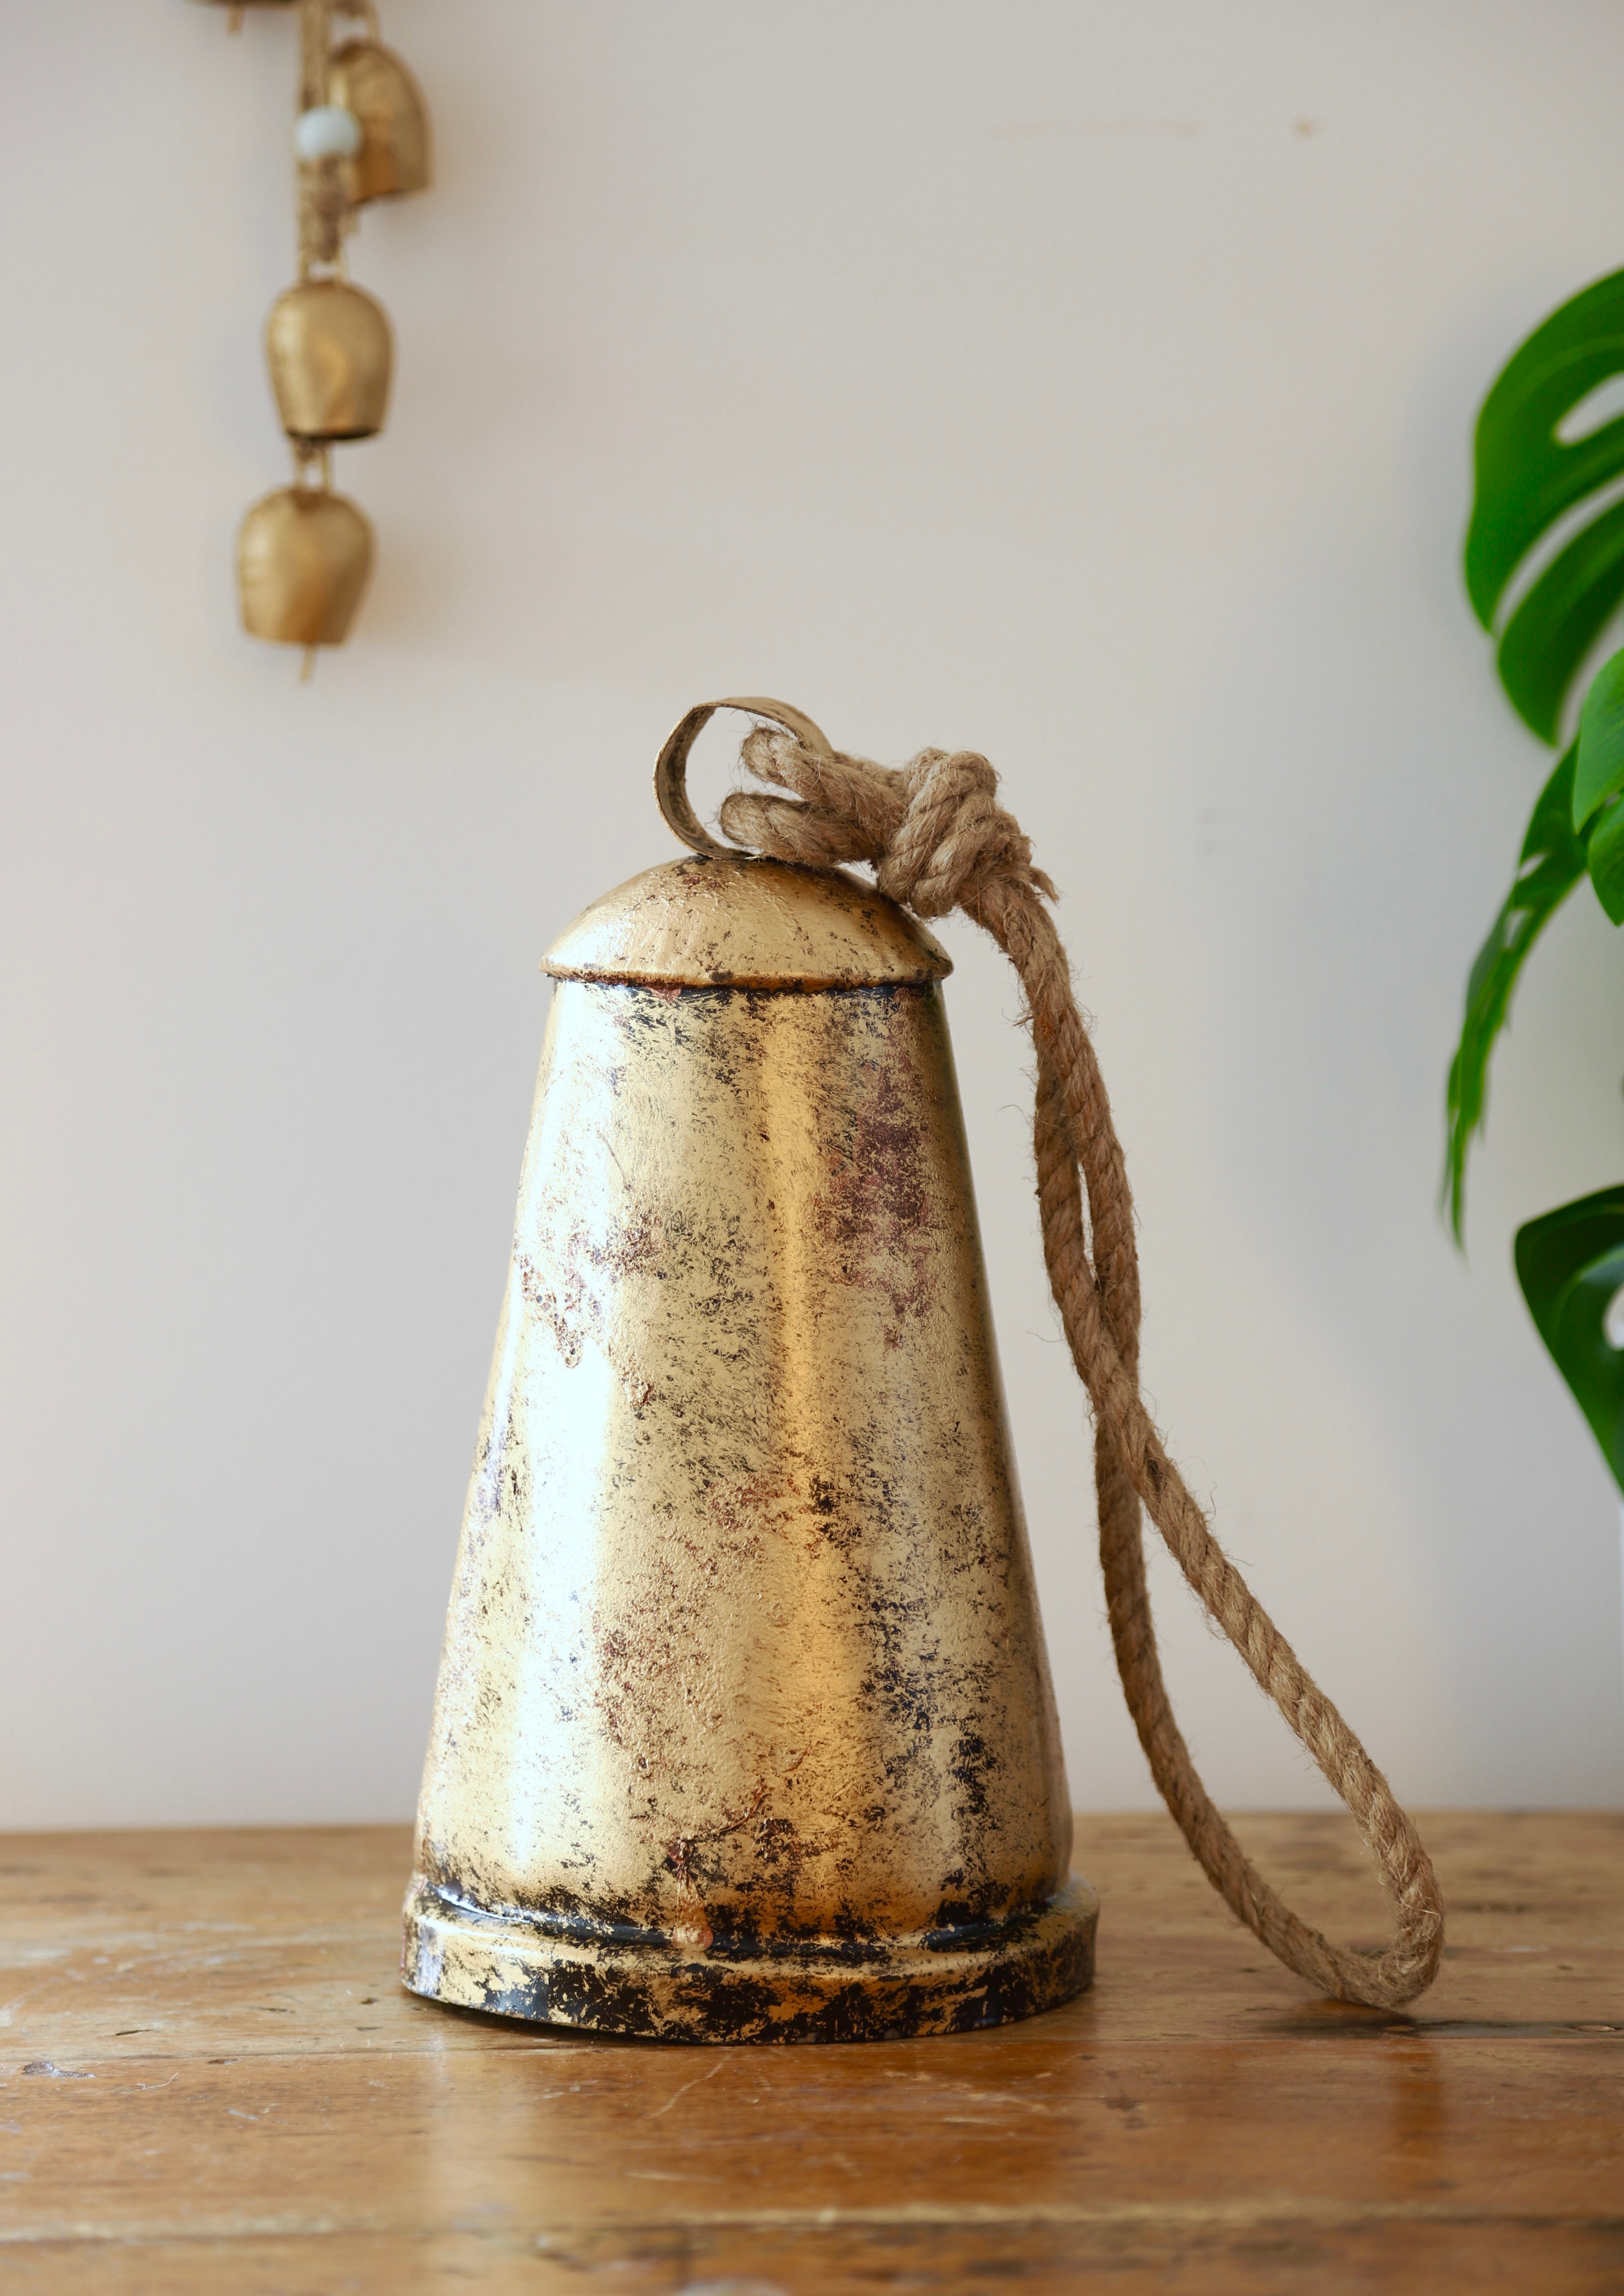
805 1990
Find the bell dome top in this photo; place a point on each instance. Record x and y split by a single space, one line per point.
716 922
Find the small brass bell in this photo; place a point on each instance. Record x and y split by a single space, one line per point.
303 557
330 355
369 79
744 1727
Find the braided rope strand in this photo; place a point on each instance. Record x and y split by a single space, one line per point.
938 840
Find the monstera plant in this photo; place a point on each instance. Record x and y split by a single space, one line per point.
1544 571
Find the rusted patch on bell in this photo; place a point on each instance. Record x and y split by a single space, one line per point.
876 1214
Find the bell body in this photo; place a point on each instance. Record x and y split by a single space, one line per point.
303 557
369 79
330 352
744 1726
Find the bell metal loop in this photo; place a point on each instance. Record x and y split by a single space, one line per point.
671 771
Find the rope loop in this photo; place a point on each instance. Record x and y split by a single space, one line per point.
938 840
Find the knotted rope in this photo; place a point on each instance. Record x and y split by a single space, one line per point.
939 840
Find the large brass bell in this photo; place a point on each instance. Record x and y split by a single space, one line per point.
303 557
330 354
744 1727
371 81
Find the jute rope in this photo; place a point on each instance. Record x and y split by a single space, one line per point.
939 840
325 212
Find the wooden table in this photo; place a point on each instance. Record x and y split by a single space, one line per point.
211 2080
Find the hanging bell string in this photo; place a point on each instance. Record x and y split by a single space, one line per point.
323 202
937 841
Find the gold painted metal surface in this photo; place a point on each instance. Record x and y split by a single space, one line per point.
303 557
371 80
330 355
737 923
744 1726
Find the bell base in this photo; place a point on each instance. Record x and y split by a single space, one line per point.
873 1989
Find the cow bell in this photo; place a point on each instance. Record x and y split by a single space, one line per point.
370 80
330 352
744 1728
303 557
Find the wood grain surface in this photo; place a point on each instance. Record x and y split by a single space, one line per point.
241 2100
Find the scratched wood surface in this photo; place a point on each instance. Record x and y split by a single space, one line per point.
210 2081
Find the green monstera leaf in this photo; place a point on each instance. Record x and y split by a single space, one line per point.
1550 864
1540 464
1598 785
1570 1266
1548 534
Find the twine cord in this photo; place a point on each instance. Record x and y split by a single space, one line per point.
325 214
938 840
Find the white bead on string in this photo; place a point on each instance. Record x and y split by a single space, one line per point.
326 132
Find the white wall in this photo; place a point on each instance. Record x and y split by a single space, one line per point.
1084 383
